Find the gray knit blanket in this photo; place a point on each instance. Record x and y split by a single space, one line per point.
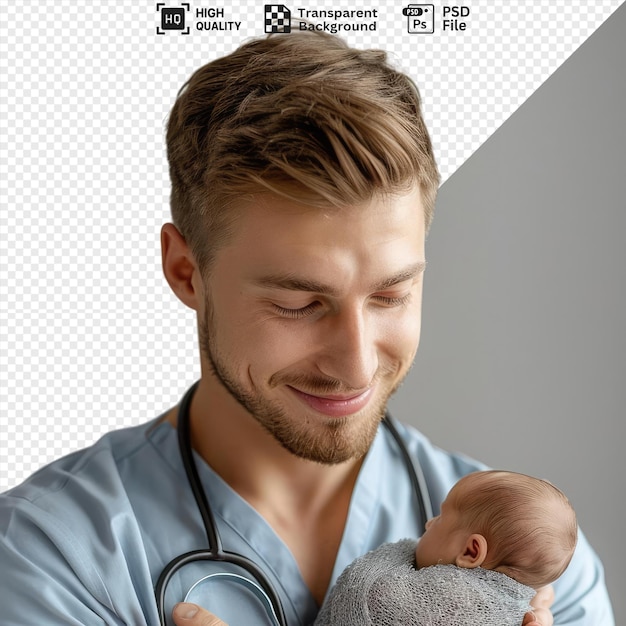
384 588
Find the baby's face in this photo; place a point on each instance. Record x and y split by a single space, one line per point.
445 537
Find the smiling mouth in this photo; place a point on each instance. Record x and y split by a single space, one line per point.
335 405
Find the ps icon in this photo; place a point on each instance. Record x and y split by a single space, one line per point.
420 18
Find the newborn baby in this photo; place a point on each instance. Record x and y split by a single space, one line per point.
499 538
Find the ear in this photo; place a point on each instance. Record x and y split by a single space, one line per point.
179 266
474 553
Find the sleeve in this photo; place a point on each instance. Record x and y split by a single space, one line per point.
44 577
51 575
581 595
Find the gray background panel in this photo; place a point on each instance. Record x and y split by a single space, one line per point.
523 355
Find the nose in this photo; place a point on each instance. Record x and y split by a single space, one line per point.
350 354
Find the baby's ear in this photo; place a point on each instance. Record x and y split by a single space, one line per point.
474 553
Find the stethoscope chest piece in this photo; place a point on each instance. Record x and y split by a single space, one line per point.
235 598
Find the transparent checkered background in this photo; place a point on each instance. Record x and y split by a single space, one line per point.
92 339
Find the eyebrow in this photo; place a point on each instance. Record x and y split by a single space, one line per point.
295 283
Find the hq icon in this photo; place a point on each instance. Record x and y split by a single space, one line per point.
172 18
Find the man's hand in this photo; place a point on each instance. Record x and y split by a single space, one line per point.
541 603
185 614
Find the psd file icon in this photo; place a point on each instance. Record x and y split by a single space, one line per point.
420 18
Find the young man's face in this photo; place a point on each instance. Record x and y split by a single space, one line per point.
311 318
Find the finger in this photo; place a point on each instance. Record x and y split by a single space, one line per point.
544 598
529 620
186 614
538 617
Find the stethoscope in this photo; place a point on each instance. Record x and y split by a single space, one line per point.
259 585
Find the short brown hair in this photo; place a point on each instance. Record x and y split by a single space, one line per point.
529 524
300 115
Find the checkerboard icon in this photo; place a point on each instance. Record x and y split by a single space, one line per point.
277 18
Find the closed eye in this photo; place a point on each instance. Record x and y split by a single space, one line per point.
394 301
296 314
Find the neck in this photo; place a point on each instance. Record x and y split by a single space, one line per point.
254 464
306 503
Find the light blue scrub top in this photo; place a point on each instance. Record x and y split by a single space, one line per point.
84 540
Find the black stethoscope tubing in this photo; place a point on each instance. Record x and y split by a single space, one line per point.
215 550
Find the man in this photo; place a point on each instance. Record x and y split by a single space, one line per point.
303 185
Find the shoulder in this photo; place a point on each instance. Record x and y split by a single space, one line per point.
77 475
68 529
456 463
88 493
441 468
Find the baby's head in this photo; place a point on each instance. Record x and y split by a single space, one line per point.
512 523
